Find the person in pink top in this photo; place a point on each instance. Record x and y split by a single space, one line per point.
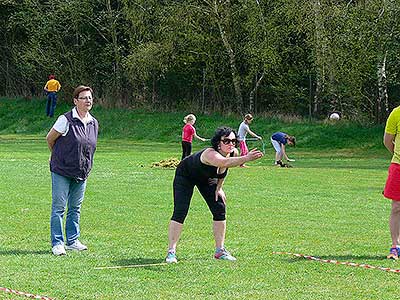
188 132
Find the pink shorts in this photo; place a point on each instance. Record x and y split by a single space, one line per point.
243 148
392 187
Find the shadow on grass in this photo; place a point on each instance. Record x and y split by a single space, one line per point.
145 263
23 252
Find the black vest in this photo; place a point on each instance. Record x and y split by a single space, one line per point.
72 154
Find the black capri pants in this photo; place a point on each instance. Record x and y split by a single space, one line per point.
183 192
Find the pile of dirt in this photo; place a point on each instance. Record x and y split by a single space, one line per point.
170 163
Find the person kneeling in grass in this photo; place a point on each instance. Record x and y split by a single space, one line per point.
206 170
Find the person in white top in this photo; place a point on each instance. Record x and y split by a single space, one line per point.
72 141
244 129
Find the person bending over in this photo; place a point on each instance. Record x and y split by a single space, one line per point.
279 141
206 170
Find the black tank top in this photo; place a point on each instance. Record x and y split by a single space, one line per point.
193 168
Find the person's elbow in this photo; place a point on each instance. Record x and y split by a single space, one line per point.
50 143
388 145
48 138
388 141
223 164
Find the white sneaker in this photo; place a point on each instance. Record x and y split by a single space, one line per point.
58 250
171 258
77 245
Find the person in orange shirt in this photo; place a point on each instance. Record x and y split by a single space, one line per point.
52 87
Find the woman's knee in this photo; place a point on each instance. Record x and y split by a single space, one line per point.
396 207
219 211
180 218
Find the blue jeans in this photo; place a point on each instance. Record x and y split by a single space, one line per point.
51 103
65 192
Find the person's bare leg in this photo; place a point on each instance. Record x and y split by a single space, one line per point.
174 233
219 229
394 223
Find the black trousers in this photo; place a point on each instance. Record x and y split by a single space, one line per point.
183 192
186 149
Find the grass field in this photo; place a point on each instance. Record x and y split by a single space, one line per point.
329 205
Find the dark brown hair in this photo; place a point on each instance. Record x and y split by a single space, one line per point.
219 134
292 139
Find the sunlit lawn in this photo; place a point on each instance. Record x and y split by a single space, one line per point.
329 205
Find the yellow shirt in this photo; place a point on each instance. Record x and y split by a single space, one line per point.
393 127
52 85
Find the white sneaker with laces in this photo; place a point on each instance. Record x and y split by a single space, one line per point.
58 250
77 245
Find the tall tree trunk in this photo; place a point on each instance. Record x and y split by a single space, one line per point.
232 60
116 80
254 91
382 101
203 101
319 51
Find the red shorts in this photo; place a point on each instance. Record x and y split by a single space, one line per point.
392 187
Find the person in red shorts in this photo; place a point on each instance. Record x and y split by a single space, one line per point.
391 140
188 132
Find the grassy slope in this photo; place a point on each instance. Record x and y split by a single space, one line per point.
27 117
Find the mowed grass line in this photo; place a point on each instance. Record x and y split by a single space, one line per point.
330 205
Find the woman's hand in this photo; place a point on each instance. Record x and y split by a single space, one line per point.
254 154
220 193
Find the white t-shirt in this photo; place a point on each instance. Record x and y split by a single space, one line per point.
242 132
62 124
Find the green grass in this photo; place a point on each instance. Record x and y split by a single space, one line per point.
329 205
19 116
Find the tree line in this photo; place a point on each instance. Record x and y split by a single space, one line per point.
296 57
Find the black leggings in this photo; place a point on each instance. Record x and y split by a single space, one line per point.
183 192
186 149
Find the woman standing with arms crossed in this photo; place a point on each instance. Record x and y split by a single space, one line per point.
206 170
72 142
188 132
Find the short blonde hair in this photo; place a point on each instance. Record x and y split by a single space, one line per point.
248 117
189 117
